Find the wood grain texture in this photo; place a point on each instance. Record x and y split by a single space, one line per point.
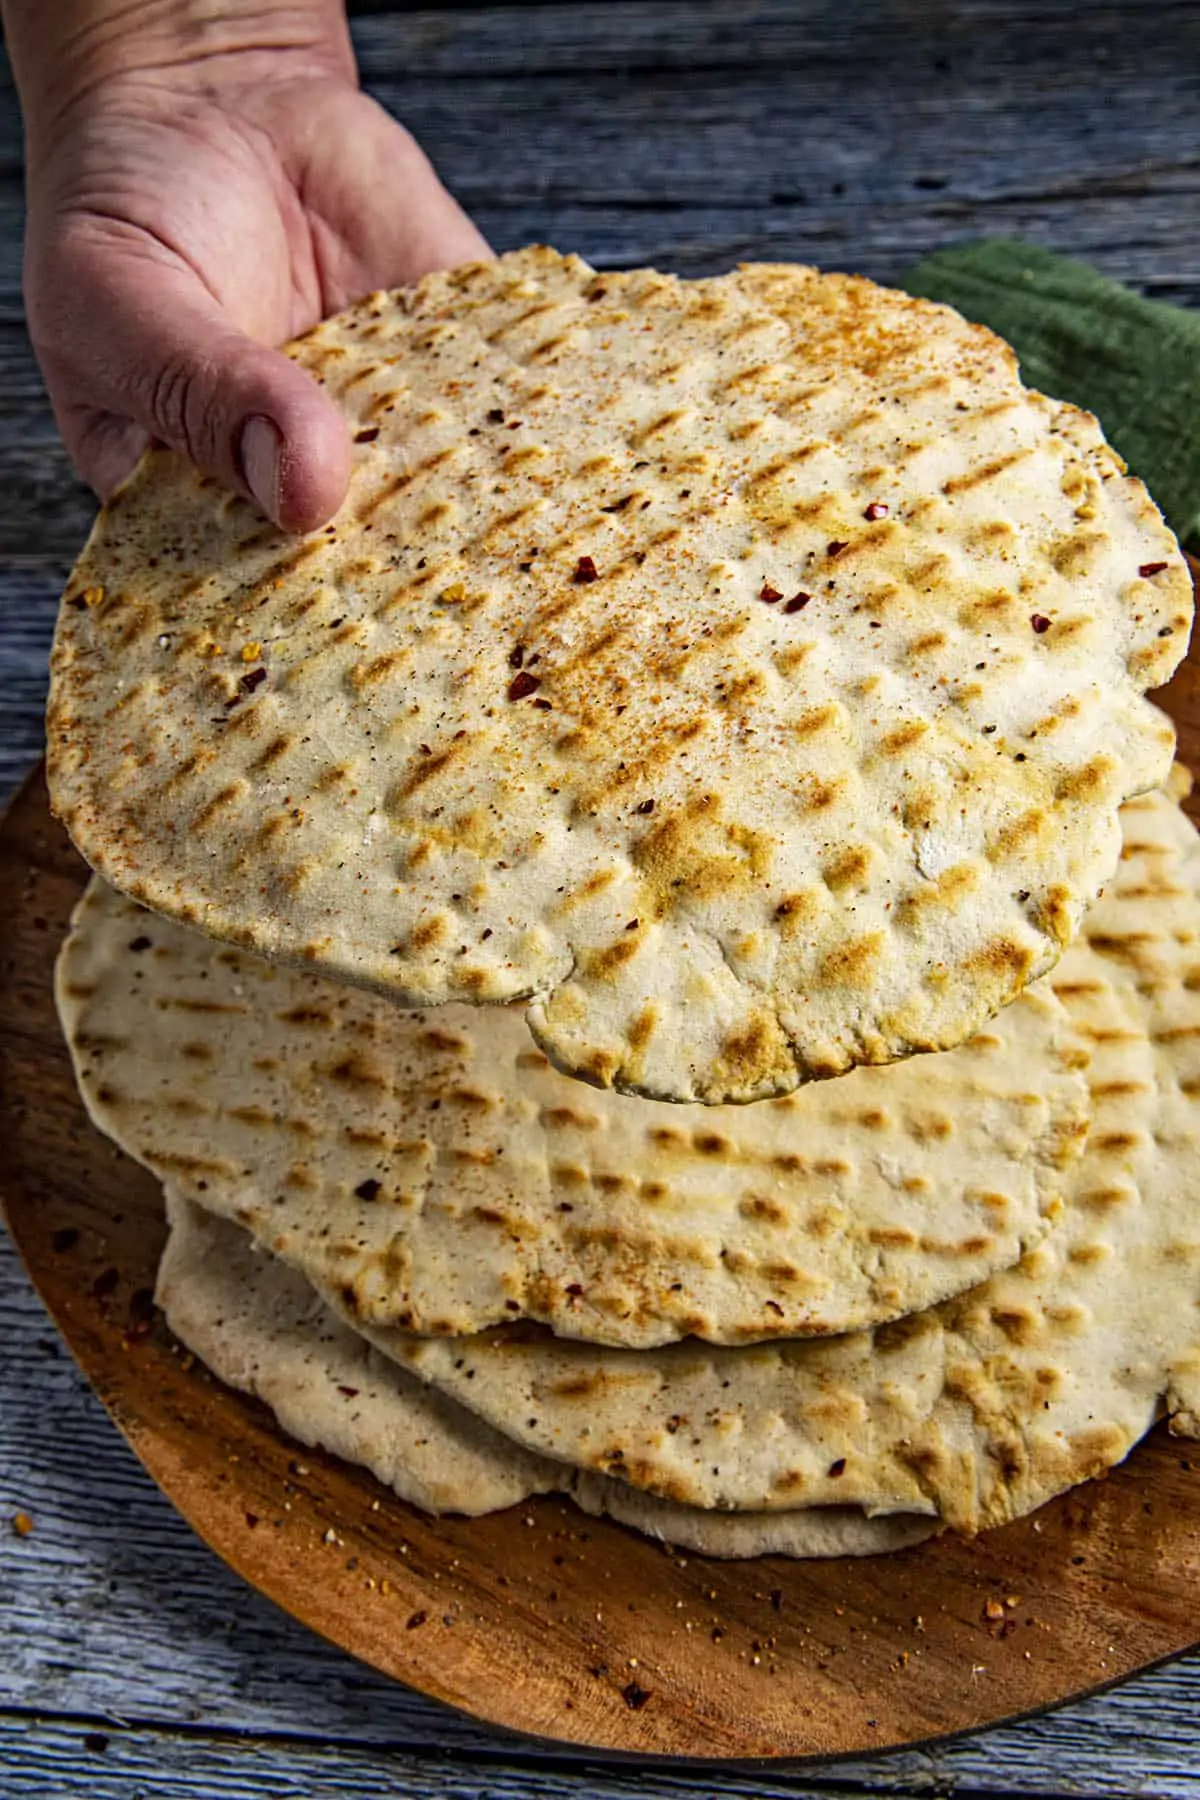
28 602
742 1661
691 135
97 1760
635 131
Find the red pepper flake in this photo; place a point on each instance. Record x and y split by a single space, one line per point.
415 1619
516 656
350 1393
368 436
368 1189
837 1468
1040 623
585 570
876 510
544 705
797 603
1148 569
522 685
618 505
495 416
769 594
836 546
634 1696
632 925
138 944
645 806
253 679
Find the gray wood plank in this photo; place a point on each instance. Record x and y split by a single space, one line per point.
113 1611
45 510
28 602
62 1760
692 135
1141 238
846 135
58 1760
960 43
1040 45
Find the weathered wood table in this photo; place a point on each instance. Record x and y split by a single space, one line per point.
688 135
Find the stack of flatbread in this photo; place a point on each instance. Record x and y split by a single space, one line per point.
658 956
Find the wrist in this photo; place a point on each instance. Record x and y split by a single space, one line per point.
64 53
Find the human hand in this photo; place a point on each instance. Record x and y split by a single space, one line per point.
194 200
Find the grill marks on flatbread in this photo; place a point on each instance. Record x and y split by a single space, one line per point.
258 1325
972 1412
984 1407
745 672
981 1408
436 1173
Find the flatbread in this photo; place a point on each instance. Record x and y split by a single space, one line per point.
979 1410
441 1176
260 1328
745 672
817 1531
982 1408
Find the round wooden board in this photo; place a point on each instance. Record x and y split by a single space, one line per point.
538 1619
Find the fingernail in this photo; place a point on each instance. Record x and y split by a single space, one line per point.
261 449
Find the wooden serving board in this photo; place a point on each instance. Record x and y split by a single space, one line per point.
538 1619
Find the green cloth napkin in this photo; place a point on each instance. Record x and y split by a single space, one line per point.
1135 363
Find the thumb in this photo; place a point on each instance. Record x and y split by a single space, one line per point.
164 359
